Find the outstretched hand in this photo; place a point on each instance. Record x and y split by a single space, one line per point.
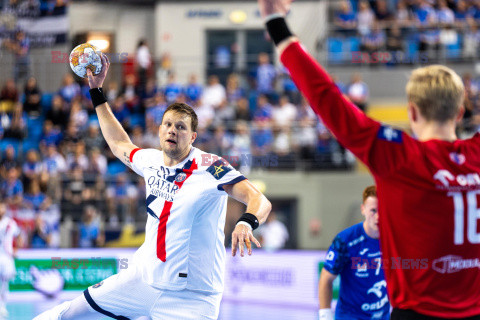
269 7
242 236
97 81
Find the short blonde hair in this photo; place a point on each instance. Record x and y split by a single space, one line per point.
438 92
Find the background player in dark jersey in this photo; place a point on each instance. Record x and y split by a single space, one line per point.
355 255
428 186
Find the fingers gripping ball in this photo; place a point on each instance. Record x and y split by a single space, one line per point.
83 57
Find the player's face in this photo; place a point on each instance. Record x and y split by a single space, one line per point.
370 212
176 135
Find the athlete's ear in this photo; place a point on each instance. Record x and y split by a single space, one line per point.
412 112
194 136
460 114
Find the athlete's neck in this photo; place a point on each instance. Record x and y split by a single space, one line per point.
437 131
374 234
173 161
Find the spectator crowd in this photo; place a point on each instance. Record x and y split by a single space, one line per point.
412 31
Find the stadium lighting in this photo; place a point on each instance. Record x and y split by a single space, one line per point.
102 42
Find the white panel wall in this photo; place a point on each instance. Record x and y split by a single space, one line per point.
128 23
183 36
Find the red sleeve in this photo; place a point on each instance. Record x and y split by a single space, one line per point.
352 128
132 153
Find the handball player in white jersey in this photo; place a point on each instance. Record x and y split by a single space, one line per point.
178 271
8 232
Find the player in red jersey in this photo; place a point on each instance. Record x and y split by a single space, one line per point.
428 186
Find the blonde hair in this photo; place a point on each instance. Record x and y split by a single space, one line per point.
438 92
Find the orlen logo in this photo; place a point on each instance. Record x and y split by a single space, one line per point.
452 264
463 180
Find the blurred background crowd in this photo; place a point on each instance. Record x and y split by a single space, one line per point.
405 31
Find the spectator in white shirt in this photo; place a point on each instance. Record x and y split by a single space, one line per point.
273 234
285 113
214 94
365 18
144 61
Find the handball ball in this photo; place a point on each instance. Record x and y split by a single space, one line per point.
83 57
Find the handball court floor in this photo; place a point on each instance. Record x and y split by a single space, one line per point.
21 309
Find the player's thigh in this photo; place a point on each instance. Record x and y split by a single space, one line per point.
186 305
123 294
7 268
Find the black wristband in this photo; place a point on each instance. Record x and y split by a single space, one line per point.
250 219
278 30
97 96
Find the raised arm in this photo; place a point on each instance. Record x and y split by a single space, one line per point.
113 132
350 125
257 205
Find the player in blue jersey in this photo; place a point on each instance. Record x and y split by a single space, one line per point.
355 256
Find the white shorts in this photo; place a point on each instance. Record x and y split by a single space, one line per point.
126 296
7 267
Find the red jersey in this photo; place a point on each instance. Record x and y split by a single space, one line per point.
428 193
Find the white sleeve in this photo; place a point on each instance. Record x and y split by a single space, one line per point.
224 174
15 229
141 159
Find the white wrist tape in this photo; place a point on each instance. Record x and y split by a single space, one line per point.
273 16
325 314
245 224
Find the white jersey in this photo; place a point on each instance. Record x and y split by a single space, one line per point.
186 203
8 231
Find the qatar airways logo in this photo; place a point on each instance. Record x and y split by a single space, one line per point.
452 264
446 178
